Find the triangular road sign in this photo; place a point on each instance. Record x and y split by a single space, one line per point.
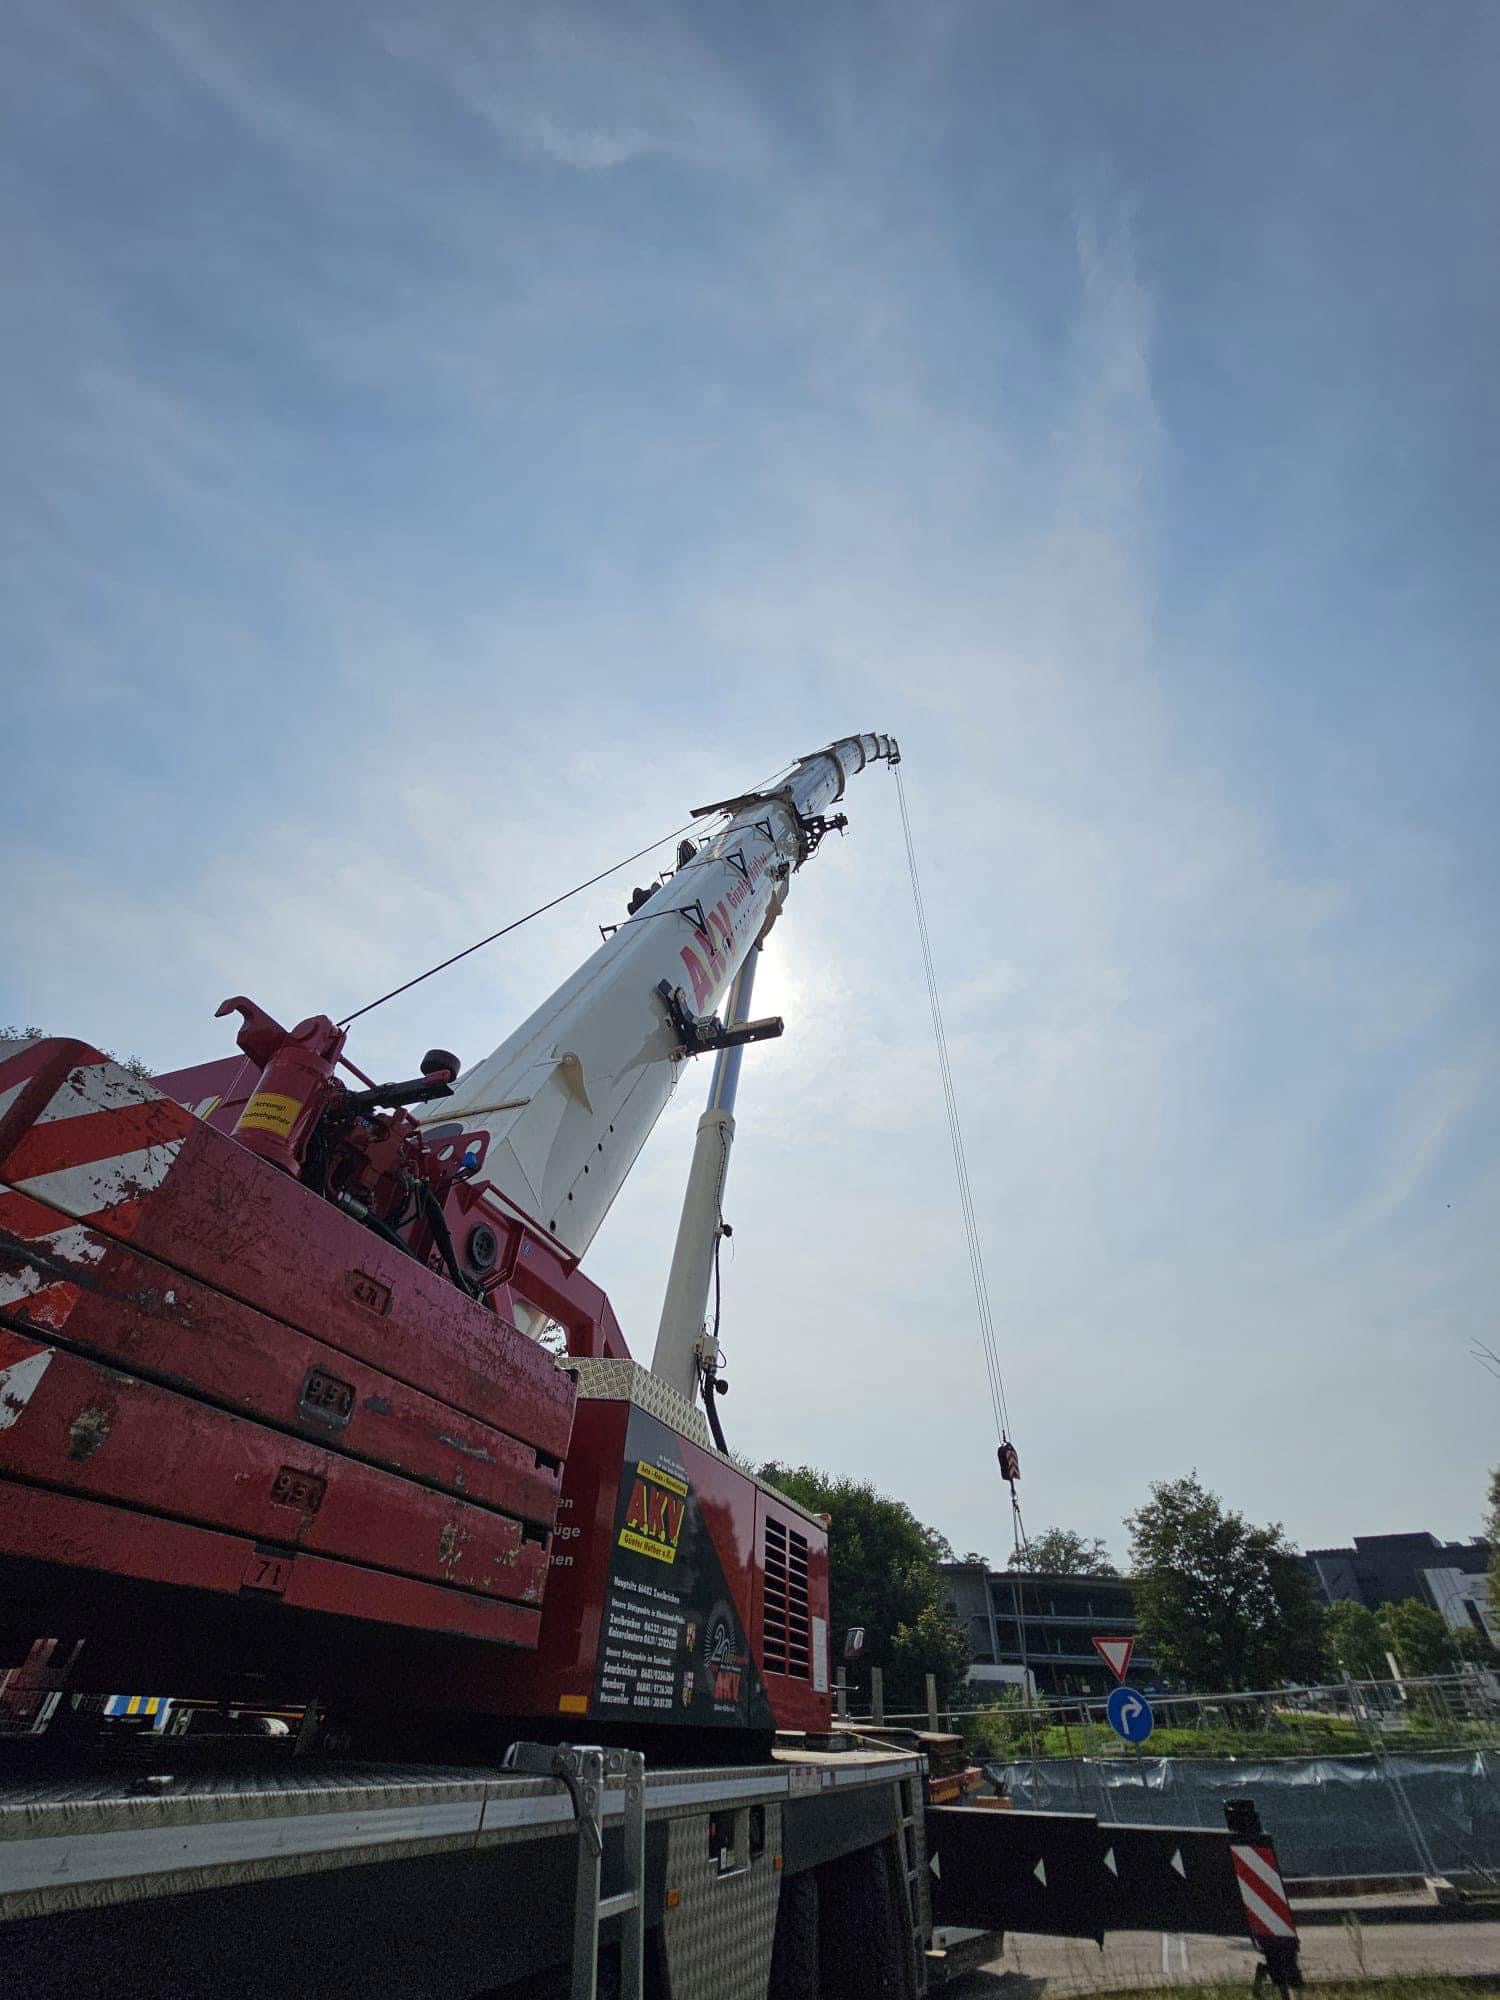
1115 1654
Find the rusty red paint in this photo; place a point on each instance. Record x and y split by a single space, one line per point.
226 1218
130 1310
75 1534
145 1448
732 1508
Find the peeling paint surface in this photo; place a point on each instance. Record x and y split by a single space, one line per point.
88 1431
20 1380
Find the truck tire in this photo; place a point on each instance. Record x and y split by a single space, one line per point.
794 1955
865 1947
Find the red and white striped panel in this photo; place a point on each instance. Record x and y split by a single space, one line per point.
95 1146
23 1363
1268 1908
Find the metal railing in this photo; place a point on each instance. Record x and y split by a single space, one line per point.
1367 1777
1437 1711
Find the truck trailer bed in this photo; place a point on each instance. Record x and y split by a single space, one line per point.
71 1843
434 1883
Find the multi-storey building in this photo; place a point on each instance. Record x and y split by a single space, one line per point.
1020 1622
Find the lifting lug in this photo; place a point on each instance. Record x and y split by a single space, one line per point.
700 1034
814 826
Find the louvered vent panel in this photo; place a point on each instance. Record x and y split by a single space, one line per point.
785 1631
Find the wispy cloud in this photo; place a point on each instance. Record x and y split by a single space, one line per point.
583 87
450 445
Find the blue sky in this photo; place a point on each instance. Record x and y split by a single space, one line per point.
446 444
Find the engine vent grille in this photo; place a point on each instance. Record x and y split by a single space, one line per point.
785 1632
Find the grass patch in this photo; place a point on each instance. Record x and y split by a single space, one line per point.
1000 1736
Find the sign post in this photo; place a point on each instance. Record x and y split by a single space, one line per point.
1129 1715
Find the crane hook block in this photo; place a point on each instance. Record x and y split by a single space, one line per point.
1010 1462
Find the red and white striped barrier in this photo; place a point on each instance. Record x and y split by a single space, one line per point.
1268 1908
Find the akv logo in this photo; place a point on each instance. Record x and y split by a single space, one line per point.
654 1517
726 1664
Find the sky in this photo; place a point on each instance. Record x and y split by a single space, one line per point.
446 444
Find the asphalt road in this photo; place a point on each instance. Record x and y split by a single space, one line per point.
1034 1966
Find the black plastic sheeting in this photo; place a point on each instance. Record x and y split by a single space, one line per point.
1327 1815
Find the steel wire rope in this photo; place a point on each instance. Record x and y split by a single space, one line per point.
505 929
976 1268
955 1130
971 1231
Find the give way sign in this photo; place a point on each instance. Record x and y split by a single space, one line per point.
1115 1654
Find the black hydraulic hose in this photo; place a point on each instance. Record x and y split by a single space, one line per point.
711 1411
707 1376
370 1220
438 1223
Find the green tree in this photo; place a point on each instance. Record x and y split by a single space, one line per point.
1060 1552
883 1574
932 1644
1220 1603
1419 1638
1475 1648
1357 1641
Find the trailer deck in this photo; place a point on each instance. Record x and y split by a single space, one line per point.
72 1843
438 1882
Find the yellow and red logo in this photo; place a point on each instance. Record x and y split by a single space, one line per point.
654 1518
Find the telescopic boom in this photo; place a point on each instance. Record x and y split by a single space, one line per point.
570 1098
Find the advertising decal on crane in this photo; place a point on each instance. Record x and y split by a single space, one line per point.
671 1645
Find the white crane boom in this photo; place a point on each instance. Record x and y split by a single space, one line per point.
569 1099
687 1353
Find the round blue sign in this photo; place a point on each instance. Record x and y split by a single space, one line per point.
1129 1714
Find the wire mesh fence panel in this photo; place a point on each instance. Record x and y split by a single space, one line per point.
1444 1712
1355 1778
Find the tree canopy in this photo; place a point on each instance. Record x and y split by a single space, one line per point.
1061 1552
884 1575
1419 1637
1476 1647
1357 1640
1360 1640
1221 1603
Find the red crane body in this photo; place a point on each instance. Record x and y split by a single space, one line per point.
269 1421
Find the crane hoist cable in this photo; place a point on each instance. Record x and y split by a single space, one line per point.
692 826
1010 1464
1010 1469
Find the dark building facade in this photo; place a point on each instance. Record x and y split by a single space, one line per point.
1451 1577
1059 1618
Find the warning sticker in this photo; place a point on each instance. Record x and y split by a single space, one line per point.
268 1111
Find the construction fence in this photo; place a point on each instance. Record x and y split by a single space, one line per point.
1355 1779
